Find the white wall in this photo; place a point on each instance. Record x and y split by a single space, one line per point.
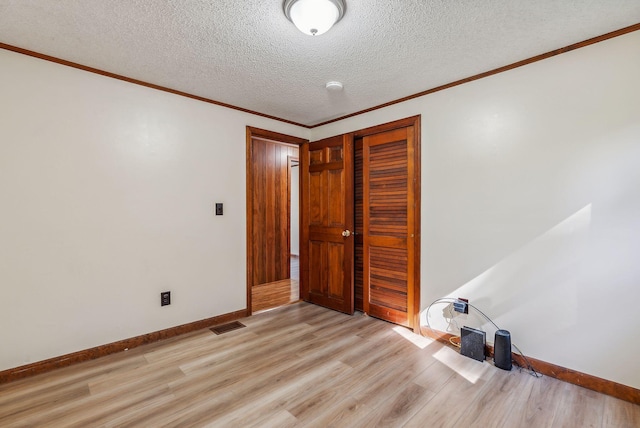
531 203
530 206
107 193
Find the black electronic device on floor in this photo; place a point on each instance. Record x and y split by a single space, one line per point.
472 342
502 350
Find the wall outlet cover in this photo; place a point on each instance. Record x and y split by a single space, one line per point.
165 298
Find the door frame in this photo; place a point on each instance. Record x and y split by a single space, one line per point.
292 162
276 137
416 159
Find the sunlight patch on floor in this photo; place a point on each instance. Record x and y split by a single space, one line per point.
420 341
469 369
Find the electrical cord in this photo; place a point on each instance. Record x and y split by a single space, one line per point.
450 320
449 300
453 342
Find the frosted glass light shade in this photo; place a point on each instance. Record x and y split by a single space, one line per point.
314 17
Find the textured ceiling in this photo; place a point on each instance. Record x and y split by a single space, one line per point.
246 53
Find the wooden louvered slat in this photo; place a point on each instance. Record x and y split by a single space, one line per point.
386 205
399 279
387 189
359 224
388 278
384 297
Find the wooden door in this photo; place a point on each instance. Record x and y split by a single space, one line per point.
389 225
326 249
270 240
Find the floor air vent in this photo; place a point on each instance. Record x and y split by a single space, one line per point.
219 329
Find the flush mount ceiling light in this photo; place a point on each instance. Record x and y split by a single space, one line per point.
334 86
314 17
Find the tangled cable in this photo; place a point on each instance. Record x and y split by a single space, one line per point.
449 300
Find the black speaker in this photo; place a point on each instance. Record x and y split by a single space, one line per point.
502 350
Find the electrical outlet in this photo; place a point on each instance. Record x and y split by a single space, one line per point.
165 298
219 208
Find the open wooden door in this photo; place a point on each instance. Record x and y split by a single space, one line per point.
390 225
326 245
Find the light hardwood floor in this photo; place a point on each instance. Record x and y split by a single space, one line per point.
302 365
275 294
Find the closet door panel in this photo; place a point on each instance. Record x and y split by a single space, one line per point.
388 241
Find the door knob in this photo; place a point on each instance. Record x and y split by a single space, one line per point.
346 233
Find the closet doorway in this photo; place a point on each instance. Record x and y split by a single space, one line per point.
361 222
272 225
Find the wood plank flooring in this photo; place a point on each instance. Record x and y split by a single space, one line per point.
275 294
302 365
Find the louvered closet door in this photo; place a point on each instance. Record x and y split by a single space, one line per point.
388 225
359 226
